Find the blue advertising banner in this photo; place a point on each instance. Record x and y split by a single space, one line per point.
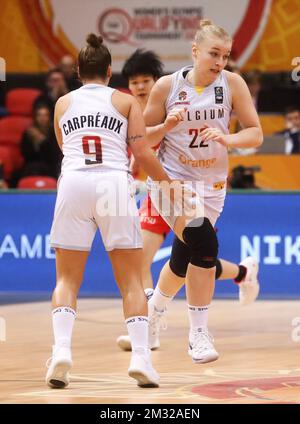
262 225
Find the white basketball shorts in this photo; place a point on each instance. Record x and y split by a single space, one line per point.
196 203
87 200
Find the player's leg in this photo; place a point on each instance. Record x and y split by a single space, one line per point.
154 229
126 265
226 270
198 234
127 273
70 266
201 239
72 234
193 260
151 244
122 238
171 279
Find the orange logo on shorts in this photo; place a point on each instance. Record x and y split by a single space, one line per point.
219 185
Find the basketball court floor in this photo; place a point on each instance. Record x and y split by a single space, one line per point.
258 345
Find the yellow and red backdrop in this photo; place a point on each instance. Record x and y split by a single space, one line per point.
35 34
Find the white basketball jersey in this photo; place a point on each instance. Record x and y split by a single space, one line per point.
182 152
94 132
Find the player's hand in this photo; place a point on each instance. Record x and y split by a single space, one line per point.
174 117
214 134
184 198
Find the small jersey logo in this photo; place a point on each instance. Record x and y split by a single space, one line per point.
219 185
219 95
182 96
182 99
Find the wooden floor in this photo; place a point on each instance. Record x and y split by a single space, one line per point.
259 362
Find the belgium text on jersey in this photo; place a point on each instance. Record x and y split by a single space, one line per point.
205 114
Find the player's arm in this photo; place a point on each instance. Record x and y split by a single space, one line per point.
61 106
139 146
157 123
251 135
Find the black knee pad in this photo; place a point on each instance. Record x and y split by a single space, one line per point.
180 257
219 268
201 238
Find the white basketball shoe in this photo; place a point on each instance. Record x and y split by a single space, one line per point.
157 321
141 369
249 286
201 347
59 366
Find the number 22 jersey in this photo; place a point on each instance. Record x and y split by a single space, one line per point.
182 152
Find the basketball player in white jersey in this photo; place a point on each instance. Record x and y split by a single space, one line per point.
142 70
190 111
94 124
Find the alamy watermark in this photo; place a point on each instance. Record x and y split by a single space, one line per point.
2 69
115 197
296 71
2 330
296 329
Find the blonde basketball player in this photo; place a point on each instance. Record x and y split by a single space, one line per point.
93 126
142 70
190 111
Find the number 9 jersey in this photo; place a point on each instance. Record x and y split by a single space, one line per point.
94 132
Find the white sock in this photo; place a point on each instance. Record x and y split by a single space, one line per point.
160 300
138 329
198 316
63 321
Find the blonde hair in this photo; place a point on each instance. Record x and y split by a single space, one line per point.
208 29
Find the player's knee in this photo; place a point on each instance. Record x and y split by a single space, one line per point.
67 284
178 267
201 238
180 258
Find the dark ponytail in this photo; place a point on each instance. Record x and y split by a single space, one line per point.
94 59
94 40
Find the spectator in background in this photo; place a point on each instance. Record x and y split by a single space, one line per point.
38 146
292 131
56 87
68 66
253 80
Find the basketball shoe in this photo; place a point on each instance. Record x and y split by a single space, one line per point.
141 369
157 321
59 366
201 347
249 286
